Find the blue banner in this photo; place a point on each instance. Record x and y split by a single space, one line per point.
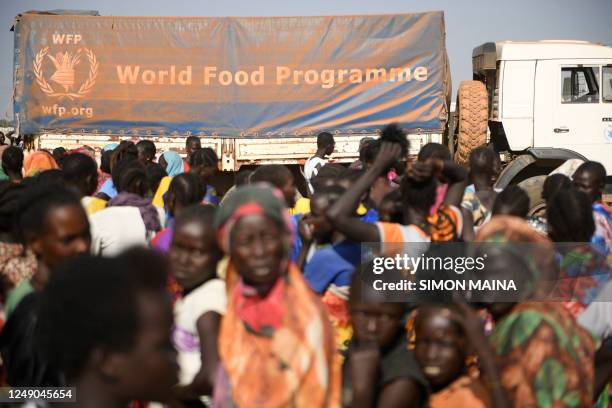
230 77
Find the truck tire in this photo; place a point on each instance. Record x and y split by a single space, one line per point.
473 114
533 187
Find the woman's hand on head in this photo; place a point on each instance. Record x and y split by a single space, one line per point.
388 154
421 171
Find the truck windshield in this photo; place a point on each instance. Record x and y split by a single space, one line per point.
607 84
580 85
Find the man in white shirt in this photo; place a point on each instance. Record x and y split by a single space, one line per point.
325 147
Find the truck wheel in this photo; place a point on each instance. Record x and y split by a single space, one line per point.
533 187
473 114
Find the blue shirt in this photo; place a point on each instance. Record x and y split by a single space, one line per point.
297 241
370 216
332 265
109 189
211 195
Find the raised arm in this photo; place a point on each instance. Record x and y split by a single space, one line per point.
340 214
457 177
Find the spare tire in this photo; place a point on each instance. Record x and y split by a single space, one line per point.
472 118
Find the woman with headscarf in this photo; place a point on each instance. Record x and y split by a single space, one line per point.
276 344
545 357
173 164
38 162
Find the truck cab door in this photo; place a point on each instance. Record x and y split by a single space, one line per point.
575 110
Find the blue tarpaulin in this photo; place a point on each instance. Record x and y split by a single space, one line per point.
230 77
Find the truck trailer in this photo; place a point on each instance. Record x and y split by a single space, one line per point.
257 90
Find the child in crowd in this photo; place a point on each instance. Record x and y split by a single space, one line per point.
379 370
129 219
443 337
185 190
386 181
193 257
479 196
316 232
330 268
204 163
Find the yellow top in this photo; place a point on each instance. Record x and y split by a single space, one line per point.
302 206
158 199
93 204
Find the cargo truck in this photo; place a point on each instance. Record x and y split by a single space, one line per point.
257 90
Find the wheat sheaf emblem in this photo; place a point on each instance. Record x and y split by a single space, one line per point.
64 75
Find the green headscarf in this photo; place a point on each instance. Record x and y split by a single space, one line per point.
254 199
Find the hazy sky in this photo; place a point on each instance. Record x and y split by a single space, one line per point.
468 22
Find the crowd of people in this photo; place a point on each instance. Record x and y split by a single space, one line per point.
124 274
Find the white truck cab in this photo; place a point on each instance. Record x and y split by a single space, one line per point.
547 102
556 94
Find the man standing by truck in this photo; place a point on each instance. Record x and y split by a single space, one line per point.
191 145
590 178
325 147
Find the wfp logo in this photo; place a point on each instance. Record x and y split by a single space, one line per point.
64 76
